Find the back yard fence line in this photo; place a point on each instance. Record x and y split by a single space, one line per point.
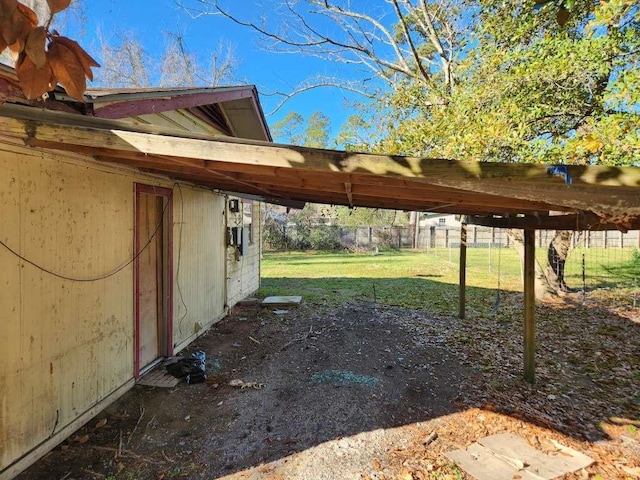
449 237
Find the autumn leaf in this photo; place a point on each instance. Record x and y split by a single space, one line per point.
85 59
7 7
592 144
34 47
29 15
67 69
56 6
34 81
17 26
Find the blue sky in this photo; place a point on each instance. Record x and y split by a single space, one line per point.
150 19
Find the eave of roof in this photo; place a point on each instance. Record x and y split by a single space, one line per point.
240 105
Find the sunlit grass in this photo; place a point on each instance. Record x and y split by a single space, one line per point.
429 279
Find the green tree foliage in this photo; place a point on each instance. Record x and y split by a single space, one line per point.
354 134
316 134
531 91
506 80
289 129
295 130
369 217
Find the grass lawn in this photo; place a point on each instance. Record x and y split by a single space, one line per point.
587 367
428 280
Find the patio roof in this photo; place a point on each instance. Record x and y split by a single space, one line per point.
597 197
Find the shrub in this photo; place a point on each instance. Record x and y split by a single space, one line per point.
325 237
274 234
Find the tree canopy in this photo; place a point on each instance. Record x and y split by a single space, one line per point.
531 91
487 80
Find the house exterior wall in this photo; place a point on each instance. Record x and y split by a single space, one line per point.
243 271
436 220
198 263
68 346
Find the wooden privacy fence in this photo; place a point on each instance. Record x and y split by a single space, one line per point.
480 237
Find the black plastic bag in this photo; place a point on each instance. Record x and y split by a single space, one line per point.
192 368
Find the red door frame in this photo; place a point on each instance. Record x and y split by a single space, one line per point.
139 243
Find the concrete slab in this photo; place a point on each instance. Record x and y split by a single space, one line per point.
282 301
506 456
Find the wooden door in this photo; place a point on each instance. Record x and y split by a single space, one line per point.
153 292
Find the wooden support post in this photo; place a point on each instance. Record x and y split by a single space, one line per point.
529 305
463 269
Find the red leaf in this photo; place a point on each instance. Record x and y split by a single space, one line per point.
16 48
34 81
34 47
17 26
67 69
29 15
58 5
7 7
85 59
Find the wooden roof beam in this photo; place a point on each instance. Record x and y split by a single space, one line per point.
575 222
616 197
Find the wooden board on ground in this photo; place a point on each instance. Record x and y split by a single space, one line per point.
158 377
506 456
282 301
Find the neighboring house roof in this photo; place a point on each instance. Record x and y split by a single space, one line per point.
233 110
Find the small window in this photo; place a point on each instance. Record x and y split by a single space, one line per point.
247 218
442 221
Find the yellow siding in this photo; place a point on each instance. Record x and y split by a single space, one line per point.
198 238
243 273
66 345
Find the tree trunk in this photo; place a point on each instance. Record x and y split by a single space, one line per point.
556 258
542 286
550 281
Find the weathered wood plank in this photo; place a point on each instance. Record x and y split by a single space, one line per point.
580 221
529 306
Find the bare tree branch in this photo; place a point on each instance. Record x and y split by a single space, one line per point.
388 38
321 82
407 35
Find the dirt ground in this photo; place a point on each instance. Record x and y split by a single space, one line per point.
358 392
